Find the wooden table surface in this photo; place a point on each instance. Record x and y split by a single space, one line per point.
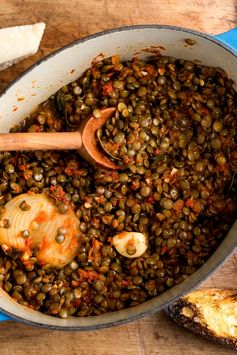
68 20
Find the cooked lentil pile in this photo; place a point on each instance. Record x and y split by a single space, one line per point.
174 137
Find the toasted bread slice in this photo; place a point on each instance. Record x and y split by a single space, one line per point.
212 313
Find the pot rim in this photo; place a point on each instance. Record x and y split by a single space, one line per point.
214 266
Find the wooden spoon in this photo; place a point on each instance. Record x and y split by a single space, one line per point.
84 140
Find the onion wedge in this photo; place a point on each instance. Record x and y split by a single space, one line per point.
41 221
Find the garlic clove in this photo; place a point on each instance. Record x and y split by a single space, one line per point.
130 244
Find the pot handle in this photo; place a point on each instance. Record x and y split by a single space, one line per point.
4 317
229 38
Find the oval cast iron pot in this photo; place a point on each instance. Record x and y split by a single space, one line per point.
65 65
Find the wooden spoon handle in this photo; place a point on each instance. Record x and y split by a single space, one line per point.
40 141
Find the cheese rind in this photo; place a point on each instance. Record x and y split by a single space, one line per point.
19 42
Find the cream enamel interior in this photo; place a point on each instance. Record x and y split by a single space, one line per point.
65 66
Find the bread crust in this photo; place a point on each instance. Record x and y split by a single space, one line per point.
189 312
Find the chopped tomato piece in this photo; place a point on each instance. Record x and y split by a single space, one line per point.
107 89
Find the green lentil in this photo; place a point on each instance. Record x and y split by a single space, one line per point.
131 250
168 204
62 208
96 113
217 126
60 238
25 234
62 230
24 206
9 168
6 223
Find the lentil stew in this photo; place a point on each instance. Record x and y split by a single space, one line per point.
174 137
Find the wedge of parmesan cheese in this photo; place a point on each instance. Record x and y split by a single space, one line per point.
19 42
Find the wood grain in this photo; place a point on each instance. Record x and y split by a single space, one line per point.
40 141
67 21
